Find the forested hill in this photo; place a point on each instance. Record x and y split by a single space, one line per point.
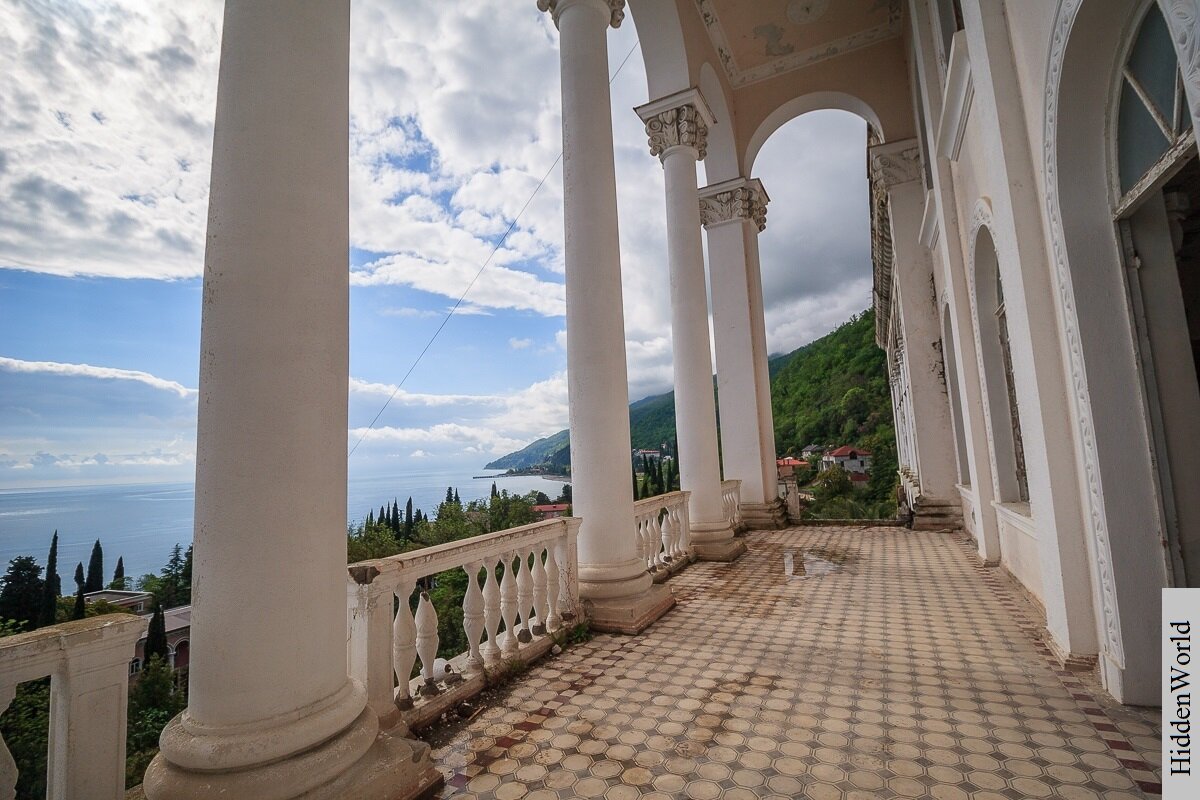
831 391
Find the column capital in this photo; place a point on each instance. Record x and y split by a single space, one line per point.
894 163
736 200
681 119
616 8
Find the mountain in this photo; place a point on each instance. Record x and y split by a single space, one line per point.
831 391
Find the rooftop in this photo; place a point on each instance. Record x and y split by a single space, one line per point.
913 671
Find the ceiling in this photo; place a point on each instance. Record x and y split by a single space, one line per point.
758 39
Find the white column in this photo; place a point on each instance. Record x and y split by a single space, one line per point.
733 213
272 712
611 576
677 127
896 171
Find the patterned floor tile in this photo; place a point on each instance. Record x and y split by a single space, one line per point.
892 665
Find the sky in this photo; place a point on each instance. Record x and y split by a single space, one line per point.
106 121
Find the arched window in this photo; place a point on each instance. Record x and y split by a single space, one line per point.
1014 414
1152 119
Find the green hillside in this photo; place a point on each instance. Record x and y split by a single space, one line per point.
832 391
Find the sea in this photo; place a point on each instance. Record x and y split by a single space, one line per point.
142 522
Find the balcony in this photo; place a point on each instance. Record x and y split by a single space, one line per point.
825 663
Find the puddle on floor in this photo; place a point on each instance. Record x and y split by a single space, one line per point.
813 563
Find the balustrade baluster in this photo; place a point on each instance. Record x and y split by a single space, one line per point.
540 609
473 615
404 644
668 534
508 608
553 617
427 641
524 600
491 614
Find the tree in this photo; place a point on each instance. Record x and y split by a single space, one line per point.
95 570
118 581
52 587
456 500
21 595
408 519
449 494
80 609
382 518
156 635
394 522
637 493
186 577
153 701
494 492
370 519
173 592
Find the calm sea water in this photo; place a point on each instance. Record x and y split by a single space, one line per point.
141 523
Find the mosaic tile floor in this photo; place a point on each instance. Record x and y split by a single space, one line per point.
826 663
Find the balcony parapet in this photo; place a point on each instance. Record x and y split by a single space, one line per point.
537 597
663 531
87 662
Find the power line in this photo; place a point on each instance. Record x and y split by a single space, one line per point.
495 249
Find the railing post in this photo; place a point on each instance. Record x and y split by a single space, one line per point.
8 767
371 630
473 615
89 698
404 644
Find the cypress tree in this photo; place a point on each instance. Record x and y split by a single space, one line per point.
663 486
636 494
95 570
52 587
395 521
382 518
370 519
457 502
449 494
408 519
156 635
118 581
186 577
494 492
80 610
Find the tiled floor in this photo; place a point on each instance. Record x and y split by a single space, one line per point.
888 664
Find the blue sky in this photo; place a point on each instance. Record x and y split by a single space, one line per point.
105 145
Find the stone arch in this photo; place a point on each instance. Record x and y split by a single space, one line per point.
662 45
1113 445
815 101
996 378
721 163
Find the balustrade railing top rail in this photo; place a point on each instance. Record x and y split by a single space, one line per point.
530 585
88 665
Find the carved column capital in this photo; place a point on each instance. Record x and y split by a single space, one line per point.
895 163
737 200
616 8
677 120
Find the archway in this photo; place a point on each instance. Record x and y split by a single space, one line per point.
1107 225
956 409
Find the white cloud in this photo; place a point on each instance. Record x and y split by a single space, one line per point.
401 397
418 454
519 344
89 371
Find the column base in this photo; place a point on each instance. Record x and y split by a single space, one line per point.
724 550
391 768
765 516
631 614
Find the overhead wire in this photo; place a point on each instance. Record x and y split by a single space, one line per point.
495 249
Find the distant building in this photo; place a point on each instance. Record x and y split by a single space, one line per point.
137 602
811 451
179 630
552 510
788 465
851 459
653 455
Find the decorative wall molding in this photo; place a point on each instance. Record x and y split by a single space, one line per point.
616 7
930 227
678 120
737 200
1065 295
895 163
956 105
1183 20
981 218
800 58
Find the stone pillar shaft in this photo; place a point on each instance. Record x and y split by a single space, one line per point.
677 127
610 572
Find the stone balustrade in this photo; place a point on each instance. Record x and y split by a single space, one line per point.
529 585
731 500
87 662
662 527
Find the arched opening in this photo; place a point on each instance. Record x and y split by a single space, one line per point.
956 409
1156 179
1007 449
